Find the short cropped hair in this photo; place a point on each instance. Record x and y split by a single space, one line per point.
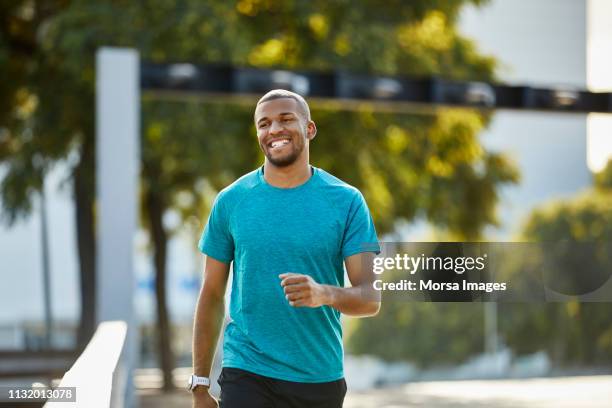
282 93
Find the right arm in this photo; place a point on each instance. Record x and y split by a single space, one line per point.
209 314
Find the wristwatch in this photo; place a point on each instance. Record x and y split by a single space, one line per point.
194 381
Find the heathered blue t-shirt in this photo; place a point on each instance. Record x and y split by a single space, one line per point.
266 231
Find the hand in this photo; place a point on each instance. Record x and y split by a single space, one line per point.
303 291
202 399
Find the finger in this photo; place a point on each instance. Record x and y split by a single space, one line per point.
304 302
286 274
292 280
295 296
298 303
298 287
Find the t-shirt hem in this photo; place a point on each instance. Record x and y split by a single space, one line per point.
284 377
360 250
208 251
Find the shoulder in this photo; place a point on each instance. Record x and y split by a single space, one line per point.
337 188
235 192
342 196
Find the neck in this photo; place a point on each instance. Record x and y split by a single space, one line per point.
290 176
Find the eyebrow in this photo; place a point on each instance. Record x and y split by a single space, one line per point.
280 114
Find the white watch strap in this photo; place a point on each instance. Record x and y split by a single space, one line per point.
194 381
205 381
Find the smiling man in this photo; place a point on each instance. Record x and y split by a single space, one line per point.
288 228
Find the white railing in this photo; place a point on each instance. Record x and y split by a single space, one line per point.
94 374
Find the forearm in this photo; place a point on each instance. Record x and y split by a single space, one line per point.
358 301
208 321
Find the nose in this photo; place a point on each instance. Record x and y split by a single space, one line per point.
276 127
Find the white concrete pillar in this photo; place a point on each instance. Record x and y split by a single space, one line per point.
599 79
117 175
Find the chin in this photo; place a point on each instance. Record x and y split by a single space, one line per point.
282 161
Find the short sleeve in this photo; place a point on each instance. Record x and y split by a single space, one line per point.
359 232
216 240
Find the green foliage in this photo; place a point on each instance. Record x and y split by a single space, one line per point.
191 150
27 145
422 333
603 179
571 332
408 165
585 218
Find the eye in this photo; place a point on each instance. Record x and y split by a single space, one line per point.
263 125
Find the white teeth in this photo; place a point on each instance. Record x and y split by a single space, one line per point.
278 143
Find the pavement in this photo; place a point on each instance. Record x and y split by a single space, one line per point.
559 392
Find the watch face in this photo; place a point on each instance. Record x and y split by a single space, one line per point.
190 383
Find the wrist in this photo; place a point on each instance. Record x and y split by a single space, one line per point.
195 382
329 295
200 391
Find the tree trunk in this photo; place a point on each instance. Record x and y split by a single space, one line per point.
559 355
155 210
84 187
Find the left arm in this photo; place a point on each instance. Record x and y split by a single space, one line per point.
359 300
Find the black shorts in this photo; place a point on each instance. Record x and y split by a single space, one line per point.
243 389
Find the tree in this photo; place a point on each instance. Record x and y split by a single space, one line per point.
176 155
407 165
574 332
40 124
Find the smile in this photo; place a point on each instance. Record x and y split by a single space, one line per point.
278 143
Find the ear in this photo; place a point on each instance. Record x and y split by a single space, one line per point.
311 130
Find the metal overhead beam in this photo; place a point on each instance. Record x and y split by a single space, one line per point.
226 81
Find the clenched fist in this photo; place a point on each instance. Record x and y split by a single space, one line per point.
303 291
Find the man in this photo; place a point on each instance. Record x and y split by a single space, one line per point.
288 227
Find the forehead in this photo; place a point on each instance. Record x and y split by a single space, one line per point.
275 107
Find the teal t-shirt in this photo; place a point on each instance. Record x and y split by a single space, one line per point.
266 231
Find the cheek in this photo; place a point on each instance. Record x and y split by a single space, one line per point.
260 137
300 131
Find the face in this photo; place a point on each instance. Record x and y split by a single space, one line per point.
283 131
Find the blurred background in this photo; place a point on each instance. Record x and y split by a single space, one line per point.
427 173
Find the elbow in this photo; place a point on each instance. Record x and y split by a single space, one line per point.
211 296
214 299
372 309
